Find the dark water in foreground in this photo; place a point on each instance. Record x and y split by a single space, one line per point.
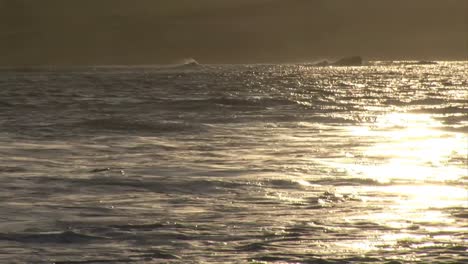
235 164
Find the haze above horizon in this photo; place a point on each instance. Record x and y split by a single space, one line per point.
53 32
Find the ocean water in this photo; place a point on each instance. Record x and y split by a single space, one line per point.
234 164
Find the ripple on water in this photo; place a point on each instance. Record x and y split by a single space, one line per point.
234 164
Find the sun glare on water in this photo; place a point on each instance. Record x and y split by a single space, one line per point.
416 165
410 148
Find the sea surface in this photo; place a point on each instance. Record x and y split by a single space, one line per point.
235 164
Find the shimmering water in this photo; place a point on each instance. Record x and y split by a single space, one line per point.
235 164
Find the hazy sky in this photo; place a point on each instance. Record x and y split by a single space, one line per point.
72 32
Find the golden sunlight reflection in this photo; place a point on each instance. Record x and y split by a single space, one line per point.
412 216
421 163
409 148
412 203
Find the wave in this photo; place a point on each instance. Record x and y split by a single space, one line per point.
189 63
241 102
442 110
345 61
422 62
50 237
114 181
4 104
426 101
457 129
347 182
119 124
11 169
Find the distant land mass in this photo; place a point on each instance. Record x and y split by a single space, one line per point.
119 32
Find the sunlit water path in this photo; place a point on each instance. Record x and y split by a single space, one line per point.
235 164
